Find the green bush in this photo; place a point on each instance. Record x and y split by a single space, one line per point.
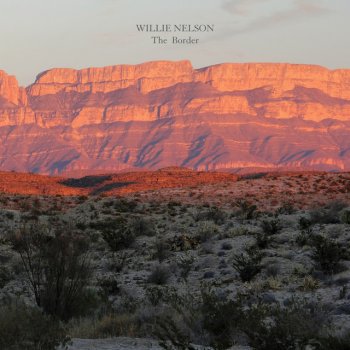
221 318
305 224
305 227
5 276
27 328
296 326
141 227
302 239
271 227
57 267
287 208
117 234
161 249
262 240
185 264
160 275
206 230
212 214
248 264
328 214
246 210
327 253
220 322
124 206
345 216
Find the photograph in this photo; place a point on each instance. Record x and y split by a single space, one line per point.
175 174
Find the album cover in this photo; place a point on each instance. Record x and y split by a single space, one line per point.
174 174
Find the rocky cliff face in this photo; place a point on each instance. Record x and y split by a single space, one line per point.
157 114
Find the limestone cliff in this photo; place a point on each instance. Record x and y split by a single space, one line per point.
157 114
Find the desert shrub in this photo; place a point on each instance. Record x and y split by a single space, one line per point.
335 343
161 249
173 204
208 274
185 264
262 240
57 268
343 292
345 216
117 234
81 226
118 261
217 215
155 294
309 284
220 322
159 275
272 327
221 318
304 236
206 230
208 319
82 198
5 276
172 334
213 319
305 224
302 239
327 253
329 214
10 215
109 285
115 325
25 327
271 283
273 270
286 208
235 232
246 210
107 224
213 213
141 227
226 246
124 206
180 324
271 227
108 325
248 264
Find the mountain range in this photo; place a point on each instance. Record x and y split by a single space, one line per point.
231 116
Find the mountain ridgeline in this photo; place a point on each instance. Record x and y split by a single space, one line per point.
228 116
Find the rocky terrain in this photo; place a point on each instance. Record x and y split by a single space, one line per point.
304 189
159 114
256 261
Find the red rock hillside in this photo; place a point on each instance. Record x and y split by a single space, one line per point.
159 114
110 184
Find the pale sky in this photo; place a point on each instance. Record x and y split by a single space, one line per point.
37 35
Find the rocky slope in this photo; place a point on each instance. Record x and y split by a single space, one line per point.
110 184
158 114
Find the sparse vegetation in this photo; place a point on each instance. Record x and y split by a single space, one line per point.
271 227
185 269
327 253
159 275
246 210
116 233
328 214
161 249
26 327
248 264
57 269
